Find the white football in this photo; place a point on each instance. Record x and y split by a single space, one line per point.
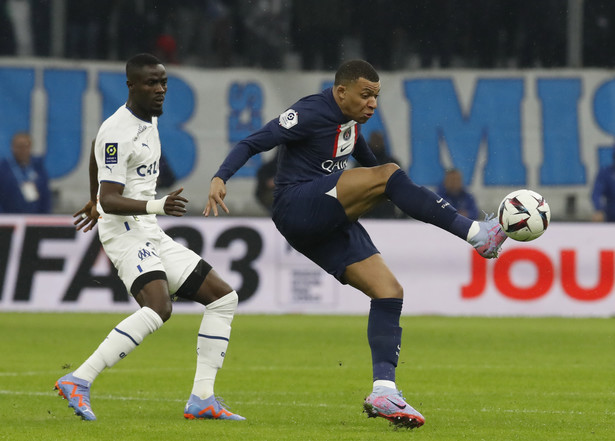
524 215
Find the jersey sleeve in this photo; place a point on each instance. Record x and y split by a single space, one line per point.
112 160
260 141
281 130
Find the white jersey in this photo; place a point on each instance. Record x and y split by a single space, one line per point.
127 152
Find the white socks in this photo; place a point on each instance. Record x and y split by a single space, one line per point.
212 343
474 229
213 339
126 336
385 383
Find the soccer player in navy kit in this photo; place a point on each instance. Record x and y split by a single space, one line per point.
317 203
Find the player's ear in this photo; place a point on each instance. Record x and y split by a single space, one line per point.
340 91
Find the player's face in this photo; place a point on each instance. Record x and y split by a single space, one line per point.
147 91
358 100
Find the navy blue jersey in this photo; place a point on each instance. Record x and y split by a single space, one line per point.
315 139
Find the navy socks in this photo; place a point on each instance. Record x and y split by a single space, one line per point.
425 205
384 336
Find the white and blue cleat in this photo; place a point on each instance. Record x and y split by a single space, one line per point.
208 409
77 392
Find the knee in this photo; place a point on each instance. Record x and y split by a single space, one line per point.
165 311
387 170
163 308
155 295
379 178
392 290
396 291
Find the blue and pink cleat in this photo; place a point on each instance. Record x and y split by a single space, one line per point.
489 239
208 409
390 404
77 392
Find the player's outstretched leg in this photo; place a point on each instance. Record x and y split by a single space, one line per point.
77 392
487 237
390 404
210 408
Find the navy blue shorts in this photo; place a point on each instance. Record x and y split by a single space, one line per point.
316 225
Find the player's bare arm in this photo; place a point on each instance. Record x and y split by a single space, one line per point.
112 201
217 193
88 216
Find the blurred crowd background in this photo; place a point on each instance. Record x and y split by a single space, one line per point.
316 34
309 35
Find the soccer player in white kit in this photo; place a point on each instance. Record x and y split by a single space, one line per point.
124 166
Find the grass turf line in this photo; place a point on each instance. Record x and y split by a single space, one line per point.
305 378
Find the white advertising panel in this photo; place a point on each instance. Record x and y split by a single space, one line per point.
45 265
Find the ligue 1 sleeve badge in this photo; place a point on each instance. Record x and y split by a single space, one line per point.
111 153
289 119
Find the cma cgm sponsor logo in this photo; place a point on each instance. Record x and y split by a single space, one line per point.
145 170
548 271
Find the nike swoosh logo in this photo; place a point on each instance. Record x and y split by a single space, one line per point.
396 405
345 148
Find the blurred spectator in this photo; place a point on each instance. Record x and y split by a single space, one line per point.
603 194
204 31
265 183
130 36
318 29
542 33
386 48
165 49
435 30
453 191
24 186
385 210
8 45
221 18
19 11
261 33
598 33
85 29
267 26
484 28
40 16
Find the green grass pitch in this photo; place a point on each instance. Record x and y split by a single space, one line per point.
298 377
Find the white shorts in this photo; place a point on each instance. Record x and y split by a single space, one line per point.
137 252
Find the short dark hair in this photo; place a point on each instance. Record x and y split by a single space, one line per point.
139 61
353 70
